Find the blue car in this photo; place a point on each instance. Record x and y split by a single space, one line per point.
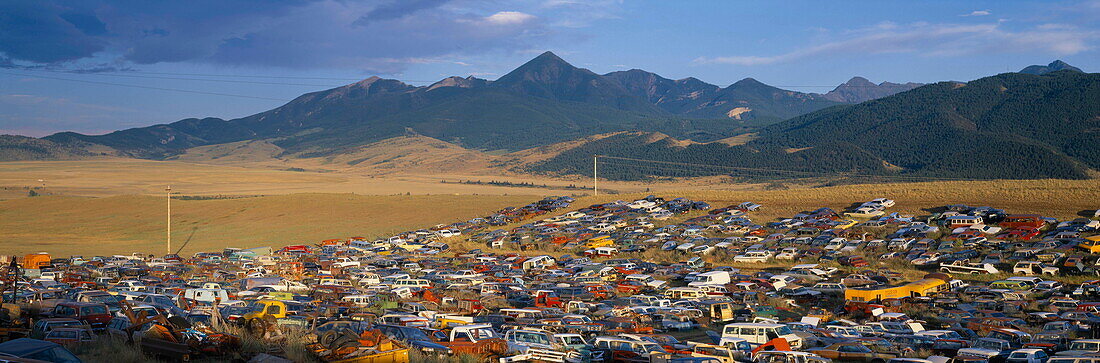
415 338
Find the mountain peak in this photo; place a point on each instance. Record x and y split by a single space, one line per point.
367 81
1054 66
748 82
456 81
859 89
548 55
546 67
859 81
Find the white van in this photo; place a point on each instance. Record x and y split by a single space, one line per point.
412 283
207 296
759 333
711 278
357 300
686 293
336 282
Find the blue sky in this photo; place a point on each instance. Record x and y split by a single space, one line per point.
99 65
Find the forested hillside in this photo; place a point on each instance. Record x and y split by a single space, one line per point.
1012 126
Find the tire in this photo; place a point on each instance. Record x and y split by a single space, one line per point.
344 341
328 337
257 326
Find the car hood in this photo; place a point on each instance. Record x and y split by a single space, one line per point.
428 344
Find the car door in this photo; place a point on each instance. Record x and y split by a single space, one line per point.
852 353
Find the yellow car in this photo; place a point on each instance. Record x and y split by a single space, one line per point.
1091 244
602 241
847 223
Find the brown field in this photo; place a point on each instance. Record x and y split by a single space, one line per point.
71 222
108 177
88 226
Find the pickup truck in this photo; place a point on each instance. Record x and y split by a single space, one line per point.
477 339
540 345
267 314
987 348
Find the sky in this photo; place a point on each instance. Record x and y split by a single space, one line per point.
95 66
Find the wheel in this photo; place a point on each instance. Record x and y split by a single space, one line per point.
344 341
328 337
257 326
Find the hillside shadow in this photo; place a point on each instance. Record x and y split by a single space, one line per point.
934 210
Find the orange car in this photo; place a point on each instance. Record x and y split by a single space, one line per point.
851 352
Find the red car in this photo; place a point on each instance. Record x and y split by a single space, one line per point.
1020 234
95 315
854 261
598 291
70 336
630 287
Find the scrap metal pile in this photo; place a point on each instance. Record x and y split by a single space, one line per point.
648 280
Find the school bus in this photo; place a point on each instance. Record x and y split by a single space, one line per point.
930 284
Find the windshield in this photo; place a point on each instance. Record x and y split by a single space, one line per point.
481 333
93 310
571 340
1090 346
783 330
414 334
56 354
986 344
529 337
654 348
105 298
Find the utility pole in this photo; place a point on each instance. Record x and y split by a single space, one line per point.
168 192
595 181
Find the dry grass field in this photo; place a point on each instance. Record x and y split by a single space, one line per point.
124 224
131 223
108 177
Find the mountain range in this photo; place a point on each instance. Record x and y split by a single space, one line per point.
1008 126
546 97
858 126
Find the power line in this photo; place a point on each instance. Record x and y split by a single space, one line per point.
826 174
684 169
147 87
185 79
353 79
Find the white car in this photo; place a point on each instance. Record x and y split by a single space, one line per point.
885 203
753 257
448 233
574 215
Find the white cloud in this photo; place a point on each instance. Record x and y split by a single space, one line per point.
509 18
931 40
978 13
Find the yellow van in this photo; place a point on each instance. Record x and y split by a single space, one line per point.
601 241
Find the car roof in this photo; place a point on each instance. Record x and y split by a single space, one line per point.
26 346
